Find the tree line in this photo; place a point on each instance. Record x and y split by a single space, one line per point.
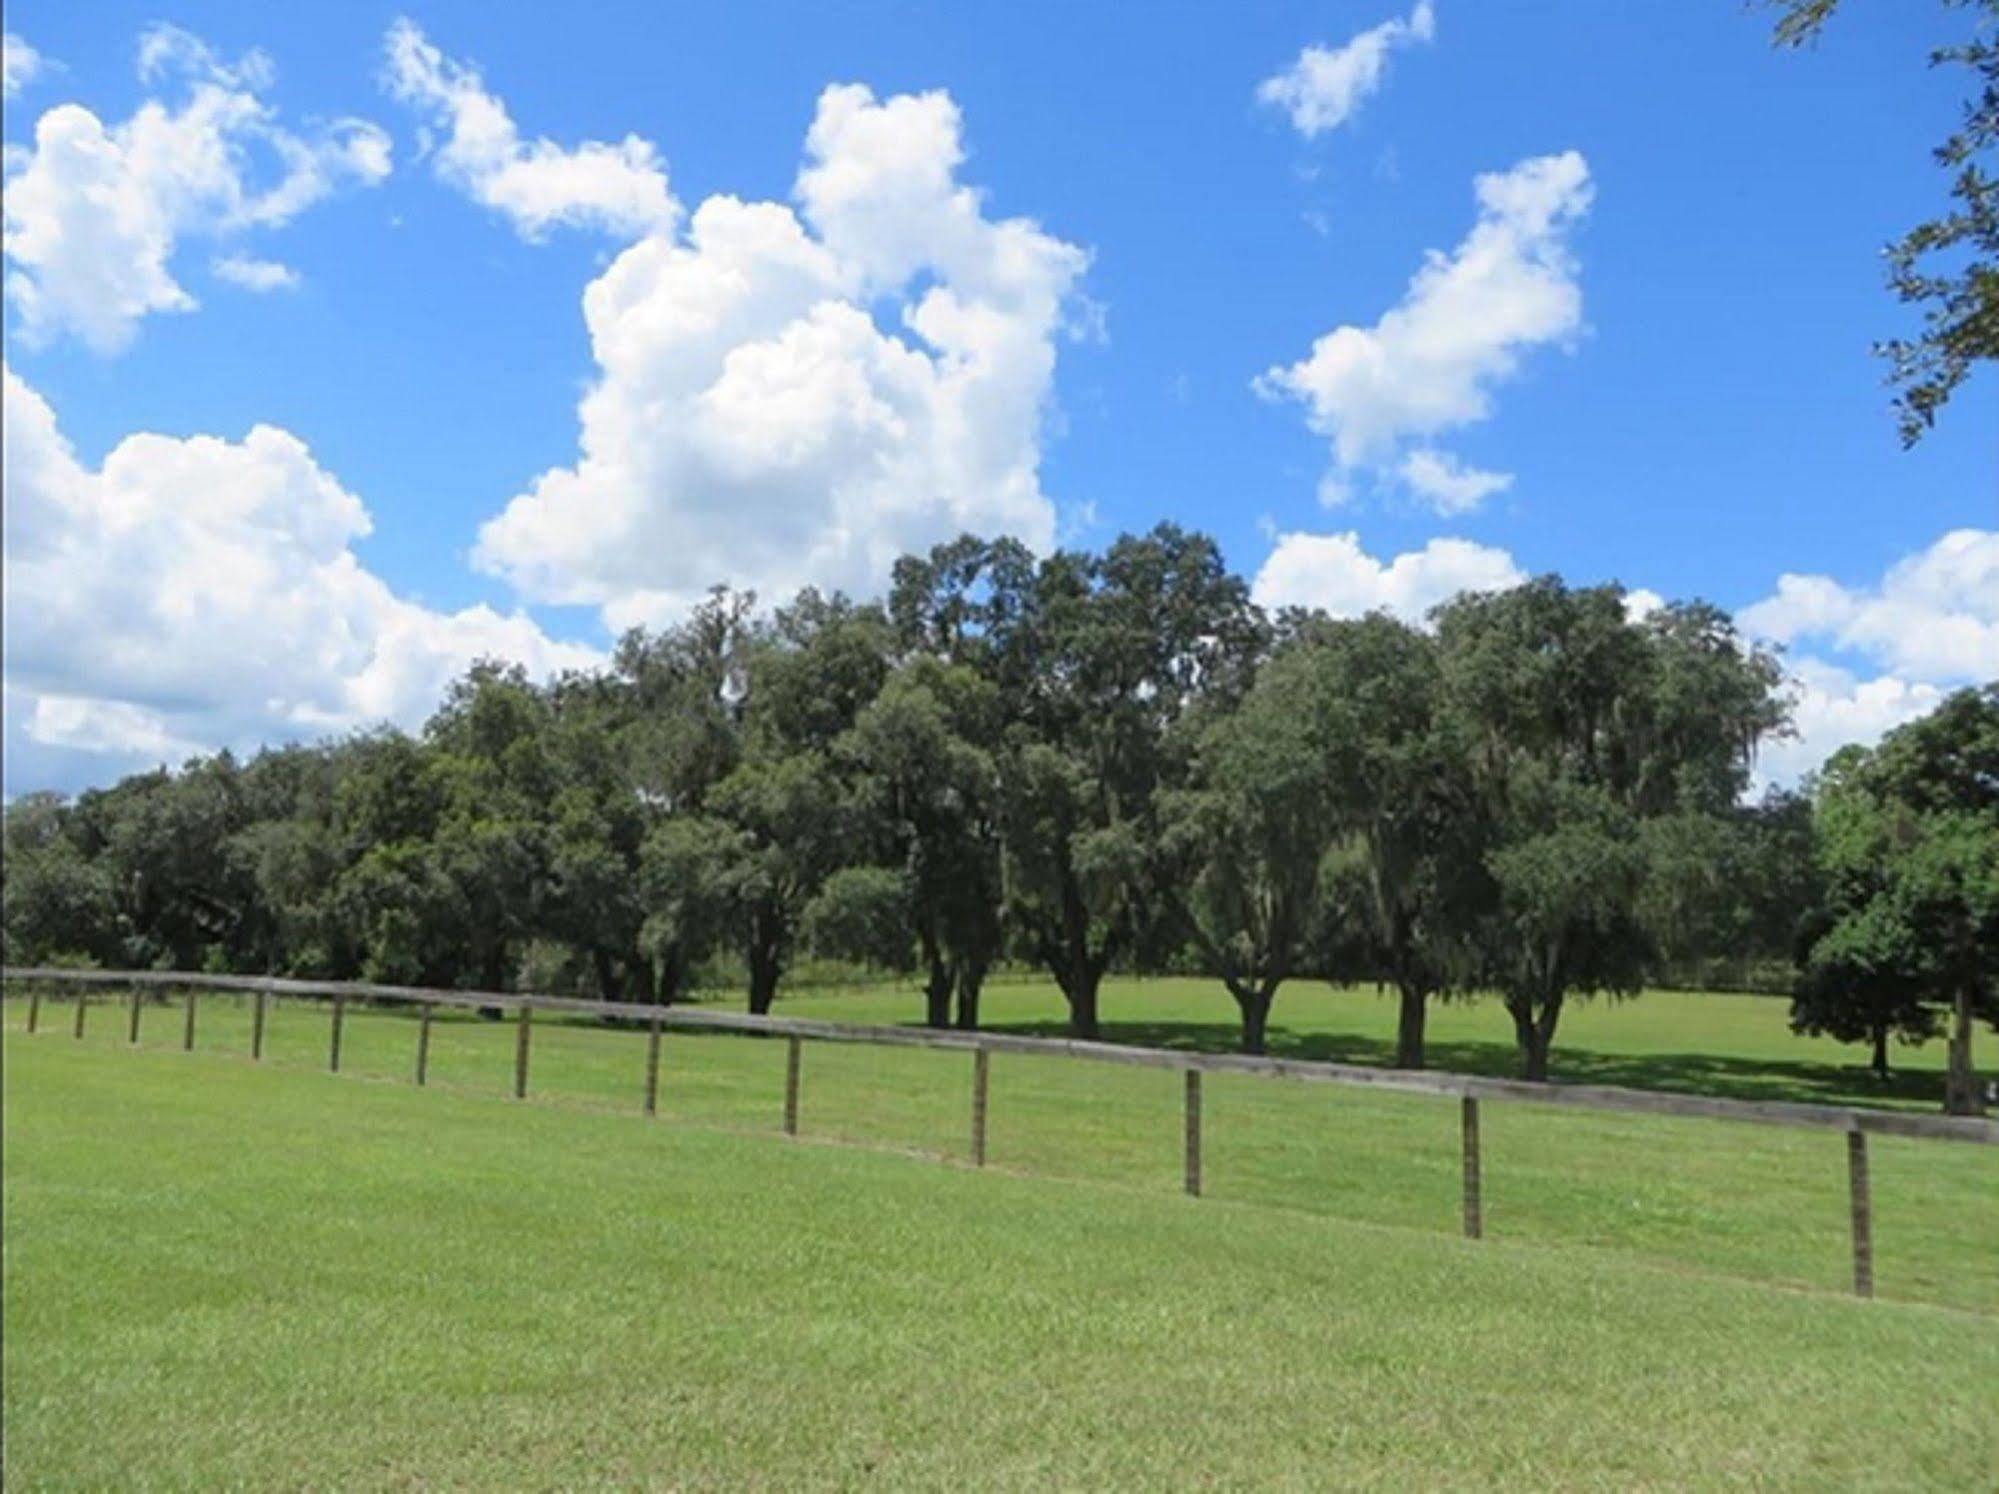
1086 762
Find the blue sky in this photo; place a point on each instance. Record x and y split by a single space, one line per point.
1641 354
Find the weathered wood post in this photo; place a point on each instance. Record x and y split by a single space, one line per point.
423 1043
333 1042
794 1050
1193 1133
257 1026
1863 1215
34 1006
981 1064
187 1027
132 1023
1474 1220
82 1006
521 1030
652 1069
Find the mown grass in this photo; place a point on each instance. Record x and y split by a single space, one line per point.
219 1274
1759 1202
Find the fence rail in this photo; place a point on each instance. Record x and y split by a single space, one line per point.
1469 1089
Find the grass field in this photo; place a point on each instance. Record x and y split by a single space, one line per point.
219 1274
1762 1203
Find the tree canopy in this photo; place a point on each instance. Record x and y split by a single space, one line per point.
1085 762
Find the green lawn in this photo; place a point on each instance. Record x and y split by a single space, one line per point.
1759 1202
220 1274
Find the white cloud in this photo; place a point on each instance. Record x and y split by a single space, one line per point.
620 189
1448 485
1641 602
201 592
1322 89
94 213
1833 707
255 274
1430 364
797 396
1333 573
20 64
1934 616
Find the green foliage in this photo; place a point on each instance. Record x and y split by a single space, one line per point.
1592 740
1909 922
861 913
1091 763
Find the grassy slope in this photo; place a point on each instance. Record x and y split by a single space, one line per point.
217 1274
1754 1201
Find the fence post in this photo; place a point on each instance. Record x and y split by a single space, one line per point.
793 1050
1193 1133
333 1041
423 1043
652 1069
257 1026
1474 1220
187 1030
132 1026
82 1006
981 1062
521 1030
1863 1217
34 1006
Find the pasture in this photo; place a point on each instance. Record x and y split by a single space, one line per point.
220 1271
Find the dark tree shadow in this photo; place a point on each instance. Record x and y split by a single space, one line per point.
1685 1073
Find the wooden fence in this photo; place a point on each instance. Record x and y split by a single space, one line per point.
1468 1089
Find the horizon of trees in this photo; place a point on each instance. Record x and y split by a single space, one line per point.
1088 763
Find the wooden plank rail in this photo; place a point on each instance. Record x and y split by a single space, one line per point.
1402 1081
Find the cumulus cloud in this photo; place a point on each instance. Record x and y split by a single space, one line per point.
792 395
1641 602
1929 625
1934 616
536 184
20 64
1833 708
198 592
254 274
1431 363
94 212
1325 85
1448 485
1333 573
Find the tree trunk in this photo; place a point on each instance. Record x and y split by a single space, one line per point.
766 956
1534 1031
1881 1053
1255 1007
666 986
1409 1028
1961 1081
1080 990
937 996
763 986
764 968
607 975
971 978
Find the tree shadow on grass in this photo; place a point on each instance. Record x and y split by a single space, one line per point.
1683 1073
